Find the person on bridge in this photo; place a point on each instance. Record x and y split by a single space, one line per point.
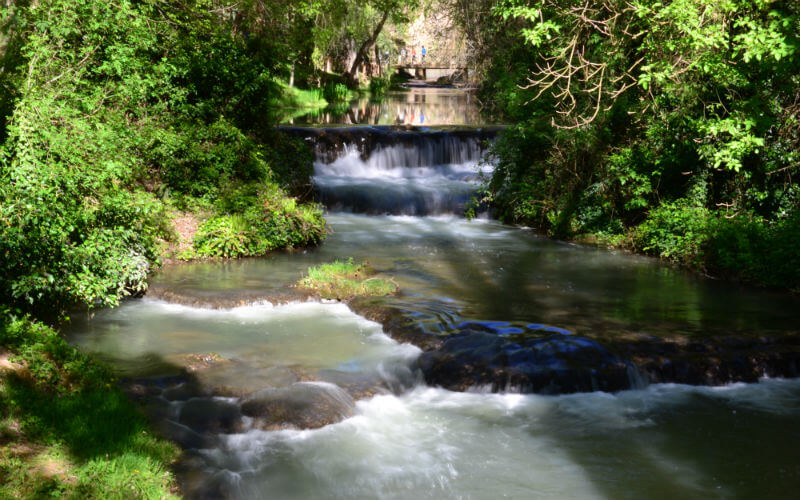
413 56
423 54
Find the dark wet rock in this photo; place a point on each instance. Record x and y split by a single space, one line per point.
549 359
713 361
555 364
396 323
183 435
143 389
304 405
184 392
211 415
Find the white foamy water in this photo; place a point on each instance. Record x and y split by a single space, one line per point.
431 177
310 335
431 443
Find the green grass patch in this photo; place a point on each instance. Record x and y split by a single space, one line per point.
67 430
293 97
344 280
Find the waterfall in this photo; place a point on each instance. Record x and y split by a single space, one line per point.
377 170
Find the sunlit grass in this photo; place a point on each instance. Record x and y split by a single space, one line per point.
344 280
67 430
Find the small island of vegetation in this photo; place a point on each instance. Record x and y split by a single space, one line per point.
344 280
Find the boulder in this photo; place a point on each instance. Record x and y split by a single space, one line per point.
302 405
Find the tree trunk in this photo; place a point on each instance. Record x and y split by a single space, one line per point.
363 50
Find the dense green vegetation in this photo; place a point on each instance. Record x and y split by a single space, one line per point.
667 127
343 280
120 114
67 430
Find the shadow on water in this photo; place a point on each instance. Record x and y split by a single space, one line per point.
704 444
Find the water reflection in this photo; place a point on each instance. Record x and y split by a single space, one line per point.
417 106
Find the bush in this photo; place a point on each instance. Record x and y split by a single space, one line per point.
280 222
269 222
749 248
225 236
335 92
379 85
675 231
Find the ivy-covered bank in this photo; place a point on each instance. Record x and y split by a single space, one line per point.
667 127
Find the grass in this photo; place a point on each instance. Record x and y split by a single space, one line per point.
66 429
343 280
293 97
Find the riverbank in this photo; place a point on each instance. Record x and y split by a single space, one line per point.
67 429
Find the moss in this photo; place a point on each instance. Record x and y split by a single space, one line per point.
344 280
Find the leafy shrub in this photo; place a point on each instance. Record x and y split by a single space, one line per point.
225 236
379 85
281 222
269 221
750 248
197 159
675 231
291 163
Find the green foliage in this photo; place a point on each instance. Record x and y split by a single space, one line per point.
70 408
672 115
268 221
343 280
336 92
755 250
675 231
280 222
113 109
223 236
379 85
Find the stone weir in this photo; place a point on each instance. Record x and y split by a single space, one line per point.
444 145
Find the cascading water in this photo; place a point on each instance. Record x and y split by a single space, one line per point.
309 400
384 171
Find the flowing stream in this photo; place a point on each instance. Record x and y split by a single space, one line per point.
309 400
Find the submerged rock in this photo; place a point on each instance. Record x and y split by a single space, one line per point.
216 415
555 364
303 405
196 362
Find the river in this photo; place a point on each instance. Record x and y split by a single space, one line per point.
310 400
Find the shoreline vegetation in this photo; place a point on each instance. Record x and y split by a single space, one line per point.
67 429
674 133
